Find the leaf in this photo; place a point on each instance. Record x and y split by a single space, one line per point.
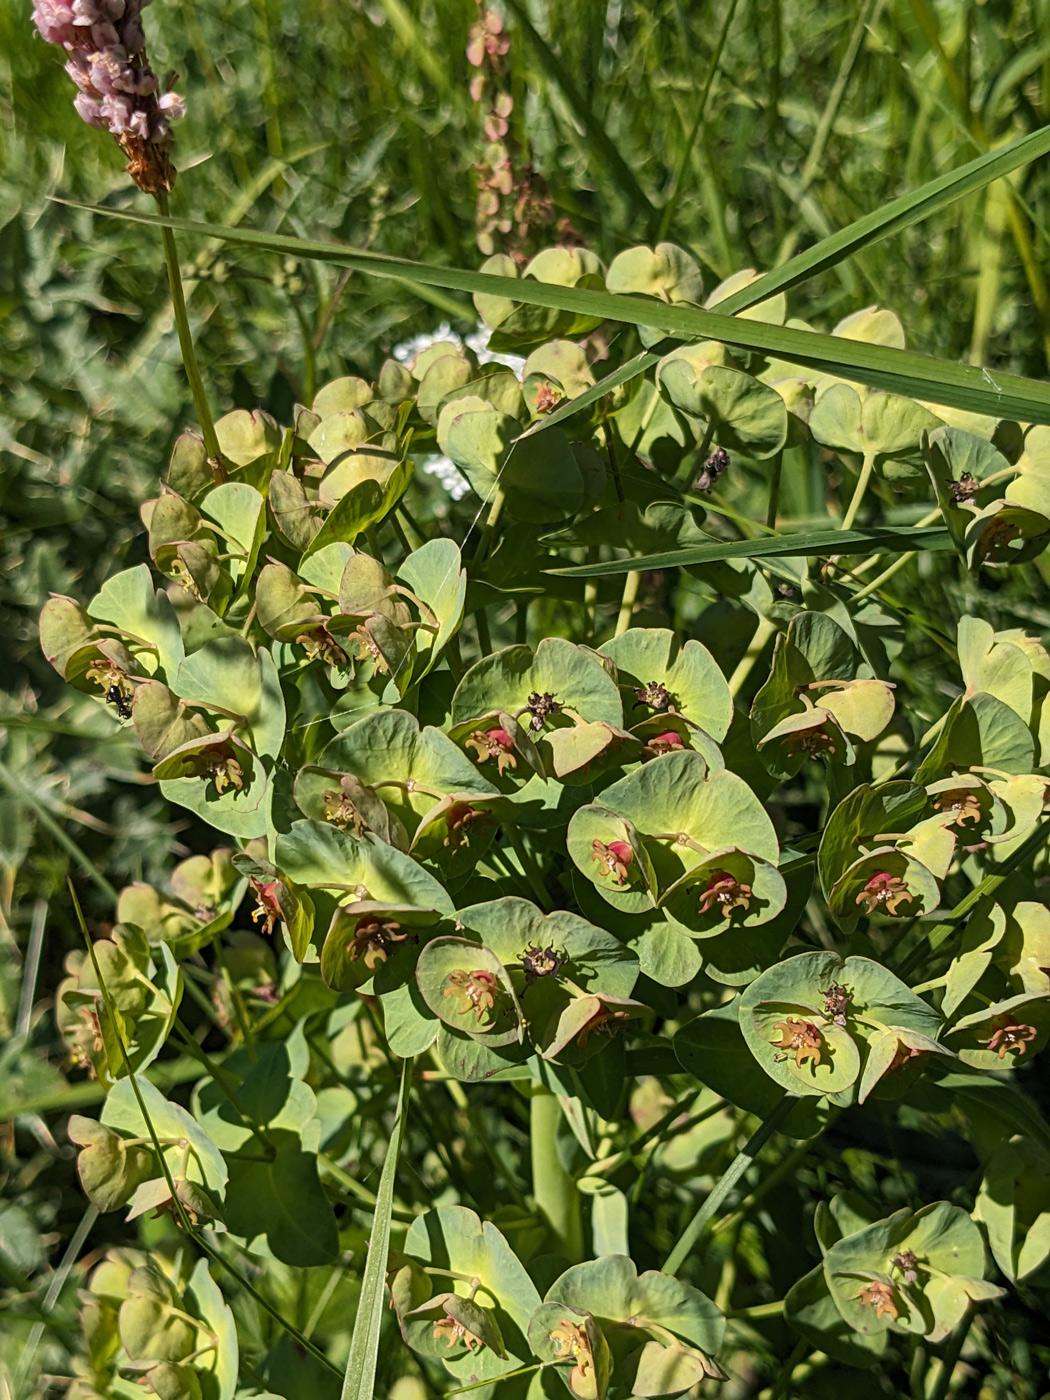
695 685
360 1378
713 1050
280 1201
189 1144
805 544
213 1310
129 602
809 1309
614 1292
454 1239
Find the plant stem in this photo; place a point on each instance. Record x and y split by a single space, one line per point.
690 1236
952 1349
240 1010
553 1189
917 1372
774 490
485 543
884 577
763 632
481 622
189 355
630 593
780 1385
668 211
867 467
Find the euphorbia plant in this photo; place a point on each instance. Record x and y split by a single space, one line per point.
509 837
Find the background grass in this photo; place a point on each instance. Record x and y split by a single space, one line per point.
353 121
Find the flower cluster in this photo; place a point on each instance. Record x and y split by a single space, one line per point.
119 92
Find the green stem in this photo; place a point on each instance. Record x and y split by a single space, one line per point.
763 632
884 577
189 355
489 529
529 868
240 1011
399 532
867 467
692 1233
553 1189
917 1371
630 594
950 1356
758 1310
481 622
773 507
783 1376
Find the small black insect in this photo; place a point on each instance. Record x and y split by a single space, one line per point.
115 697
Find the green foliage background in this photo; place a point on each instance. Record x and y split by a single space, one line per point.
354 121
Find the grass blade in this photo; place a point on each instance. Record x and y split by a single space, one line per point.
810 542
359 1381
879 366
899 214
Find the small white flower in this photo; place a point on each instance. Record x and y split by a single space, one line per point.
448 475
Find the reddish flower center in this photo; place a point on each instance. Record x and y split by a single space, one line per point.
724 893
493 743
613 859
474 991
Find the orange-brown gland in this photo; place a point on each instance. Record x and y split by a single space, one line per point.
493 743
341 812
571 1340
459 818
1009 1035
451 1331
801 1036
368 648
606 1020
547 398
815 742
267 904
220 764
962 803
724 893
884 891
665 743
880 1297
372 937
320 645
